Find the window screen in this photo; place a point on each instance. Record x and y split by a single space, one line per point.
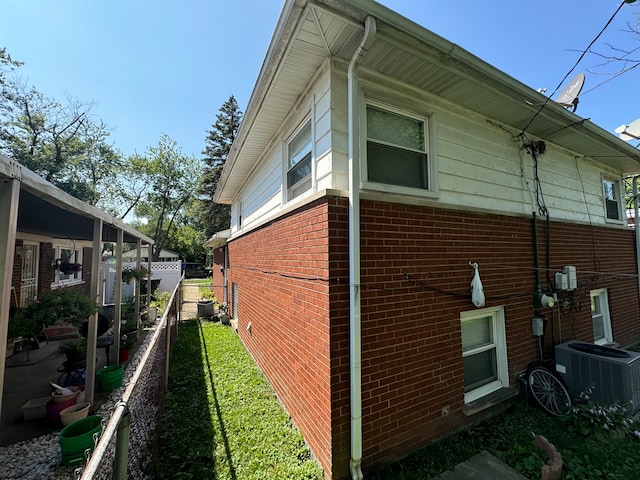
396 152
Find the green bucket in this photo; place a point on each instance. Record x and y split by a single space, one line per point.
78 437
110 378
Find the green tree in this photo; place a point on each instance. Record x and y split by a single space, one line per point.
59 141
213 216
7 64
127 188
172 179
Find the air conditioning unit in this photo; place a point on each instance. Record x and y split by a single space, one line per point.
615 373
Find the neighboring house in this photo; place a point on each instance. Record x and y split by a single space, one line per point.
217 258
375 161
165 255
42 228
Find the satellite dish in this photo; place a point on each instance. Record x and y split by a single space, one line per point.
569 96
630 131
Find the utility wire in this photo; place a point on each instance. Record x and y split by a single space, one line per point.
584 52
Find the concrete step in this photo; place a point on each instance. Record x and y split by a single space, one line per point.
482 466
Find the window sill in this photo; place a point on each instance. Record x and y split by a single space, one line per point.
64 283
488 401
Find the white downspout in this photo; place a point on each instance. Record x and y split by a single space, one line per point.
636 223
355 341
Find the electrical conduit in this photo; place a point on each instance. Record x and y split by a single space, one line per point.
355 344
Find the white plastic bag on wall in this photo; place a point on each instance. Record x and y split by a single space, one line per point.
477 292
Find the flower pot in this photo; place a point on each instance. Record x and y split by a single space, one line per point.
54 408
74 413
110 378
58 398
124 355
79 436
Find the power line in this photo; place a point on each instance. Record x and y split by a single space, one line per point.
584 52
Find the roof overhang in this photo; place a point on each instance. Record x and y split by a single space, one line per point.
310 31
218 239
45 210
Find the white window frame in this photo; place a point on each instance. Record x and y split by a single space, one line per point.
60 279
604 316
428 121
306 184
496 315
613 186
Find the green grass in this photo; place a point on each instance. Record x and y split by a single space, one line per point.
222 419
588 452
198 281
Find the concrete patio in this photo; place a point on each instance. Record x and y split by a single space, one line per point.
27 377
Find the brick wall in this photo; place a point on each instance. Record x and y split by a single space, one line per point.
294 290
217 275
285 284
415 274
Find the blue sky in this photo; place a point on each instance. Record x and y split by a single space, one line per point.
167 67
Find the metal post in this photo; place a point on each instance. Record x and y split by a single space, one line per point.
167 361
9 198
122 446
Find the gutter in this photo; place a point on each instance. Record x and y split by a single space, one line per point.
355 339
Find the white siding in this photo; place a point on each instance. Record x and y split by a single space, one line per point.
480 165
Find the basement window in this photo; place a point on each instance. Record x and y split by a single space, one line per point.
600 317
484 352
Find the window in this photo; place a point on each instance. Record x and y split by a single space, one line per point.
600 317
66 255
612 199
299 162
484 352
396 149
30 254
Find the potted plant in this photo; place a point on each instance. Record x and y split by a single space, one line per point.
20 326
126 344
129 273
207 303
63 305
68 268
129 322
75 349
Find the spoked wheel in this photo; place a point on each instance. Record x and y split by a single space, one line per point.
549 391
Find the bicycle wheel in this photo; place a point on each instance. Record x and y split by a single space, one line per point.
549 391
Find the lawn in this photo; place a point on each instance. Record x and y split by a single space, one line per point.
589 450
221 419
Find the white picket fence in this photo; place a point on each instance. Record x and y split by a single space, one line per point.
168 273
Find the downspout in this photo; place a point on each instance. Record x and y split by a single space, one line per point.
355 340
636 224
